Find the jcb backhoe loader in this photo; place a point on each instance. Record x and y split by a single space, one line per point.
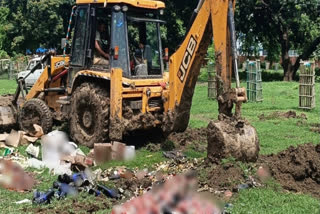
114 82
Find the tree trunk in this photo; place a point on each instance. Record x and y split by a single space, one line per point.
286 62
288 75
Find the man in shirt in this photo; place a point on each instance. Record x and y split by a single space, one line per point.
100 55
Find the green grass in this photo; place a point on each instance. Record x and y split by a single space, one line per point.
7 86
275 135
268 201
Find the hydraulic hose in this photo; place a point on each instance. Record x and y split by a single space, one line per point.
194 14
233 42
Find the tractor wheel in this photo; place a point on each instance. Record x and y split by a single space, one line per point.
35 111
89 119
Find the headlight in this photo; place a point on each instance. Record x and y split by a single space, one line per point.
125 8
117 8
161 12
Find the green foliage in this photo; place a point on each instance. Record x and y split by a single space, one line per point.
279 26
31 24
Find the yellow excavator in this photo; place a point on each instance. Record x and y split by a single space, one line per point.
114 81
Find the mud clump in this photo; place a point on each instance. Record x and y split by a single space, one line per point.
296 169
286 115
197 138
230 137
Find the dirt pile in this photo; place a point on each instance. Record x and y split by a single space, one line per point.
195 137
286 115
225 177
296 169
232 137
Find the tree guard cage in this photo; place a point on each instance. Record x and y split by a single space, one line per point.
254 81
307 85
212 87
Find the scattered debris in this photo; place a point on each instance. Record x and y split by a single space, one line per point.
14 138
13 177
24 201
102 152
174 155
33 150
38 131
176 195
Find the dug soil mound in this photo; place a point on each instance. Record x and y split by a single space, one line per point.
226 177
195 137
286 115
296 169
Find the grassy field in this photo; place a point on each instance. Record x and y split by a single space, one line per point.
275 135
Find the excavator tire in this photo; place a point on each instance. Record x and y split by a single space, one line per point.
35 111
89 120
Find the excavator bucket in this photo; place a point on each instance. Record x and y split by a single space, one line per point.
232 137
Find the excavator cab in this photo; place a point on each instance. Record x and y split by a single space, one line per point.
117 36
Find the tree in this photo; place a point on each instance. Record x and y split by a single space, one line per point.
177 17
3 37
34 22
281 26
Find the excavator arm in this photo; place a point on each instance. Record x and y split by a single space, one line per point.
211 19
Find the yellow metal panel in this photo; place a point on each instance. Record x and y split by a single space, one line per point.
116 93
185 55
219 12
57 65
136 3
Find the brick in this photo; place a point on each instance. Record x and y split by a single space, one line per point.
118 150
102 152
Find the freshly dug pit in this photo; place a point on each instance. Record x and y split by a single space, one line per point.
296 169
230 137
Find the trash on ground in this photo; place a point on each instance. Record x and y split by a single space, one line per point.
38 131
35 163
14 138
104 152
176 195
33 150
24 201
58 154
174 155
3 137
13 177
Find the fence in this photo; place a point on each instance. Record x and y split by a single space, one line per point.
8 68
212 86
254 81
307 86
